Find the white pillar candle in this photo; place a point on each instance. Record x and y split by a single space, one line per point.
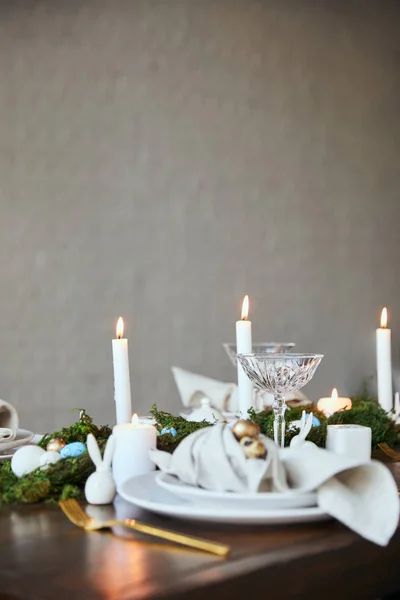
122 384
244 346
350 440
334 403
384 363
133 441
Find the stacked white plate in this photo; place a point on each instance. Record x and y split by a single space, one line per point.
8 448
166 495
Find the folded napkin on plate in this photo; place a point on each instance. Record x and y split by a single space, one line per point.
363 496
213 459
223 396
8 422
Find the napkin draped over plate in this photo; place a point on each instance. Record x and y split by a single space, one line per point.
223 396
212 458
363 496
8 422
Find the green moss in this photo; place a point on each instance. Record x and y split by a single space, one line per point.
65 479
370 414
265 420
78 432
183 428
365 411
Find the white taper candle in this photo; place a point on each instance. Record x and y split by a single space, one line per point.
244 346
384 363
122 383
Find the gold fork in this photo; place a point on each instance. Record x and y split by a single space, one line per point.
389 451
77 516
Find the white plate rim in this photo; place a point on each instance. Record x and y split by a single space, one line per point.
25 436
188 511
4 457
188 491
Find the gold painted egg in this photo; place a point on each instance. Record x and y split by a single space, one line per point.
55 445
244 428
253 448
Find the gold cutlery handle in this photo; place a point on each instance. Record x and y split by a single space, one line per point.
179 538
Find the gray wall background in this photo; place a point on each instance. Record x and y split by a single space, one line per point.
160 159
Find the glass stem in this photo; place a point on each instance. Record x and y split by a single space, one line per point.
279 408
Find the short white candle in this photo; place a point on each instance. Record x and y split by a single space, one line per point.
350 440
133 442
244 346
122 383
384 363
334 403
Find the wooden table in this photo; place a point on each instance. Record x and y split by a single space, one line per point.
44 557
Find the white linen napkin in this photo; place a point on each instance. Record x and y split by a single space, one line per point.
8 422
223 396
192 388
363 496
212 458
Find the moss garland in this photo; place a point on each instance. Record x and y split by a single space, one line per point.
183 428
66 479
365 411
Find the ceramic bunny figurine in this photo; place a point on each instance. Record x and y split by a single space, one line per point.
100 486
305 428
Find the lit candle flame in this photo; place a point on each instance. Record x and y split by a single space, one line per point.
120 328
245 308
135 420
333 404
384 318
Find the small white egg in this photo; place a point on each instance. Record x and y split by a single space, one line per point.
26 459
49 458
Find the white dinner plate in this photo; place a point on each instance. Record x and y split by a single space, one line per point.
263 500
143 491
23 437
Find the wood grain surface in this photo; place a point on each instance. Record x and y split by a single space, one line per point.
44 557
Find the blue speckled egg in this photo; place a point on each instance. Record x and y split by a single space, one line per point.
315 422
73 450
170 430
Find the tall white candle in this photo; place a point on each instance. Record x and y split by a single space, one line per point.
244 346
122 384
384 363
133 442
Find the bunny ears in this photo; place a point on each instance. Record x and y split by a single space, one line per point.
95 455
305 428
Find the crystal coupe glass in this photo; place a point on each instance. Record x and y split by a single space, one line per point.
279 374
269 347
